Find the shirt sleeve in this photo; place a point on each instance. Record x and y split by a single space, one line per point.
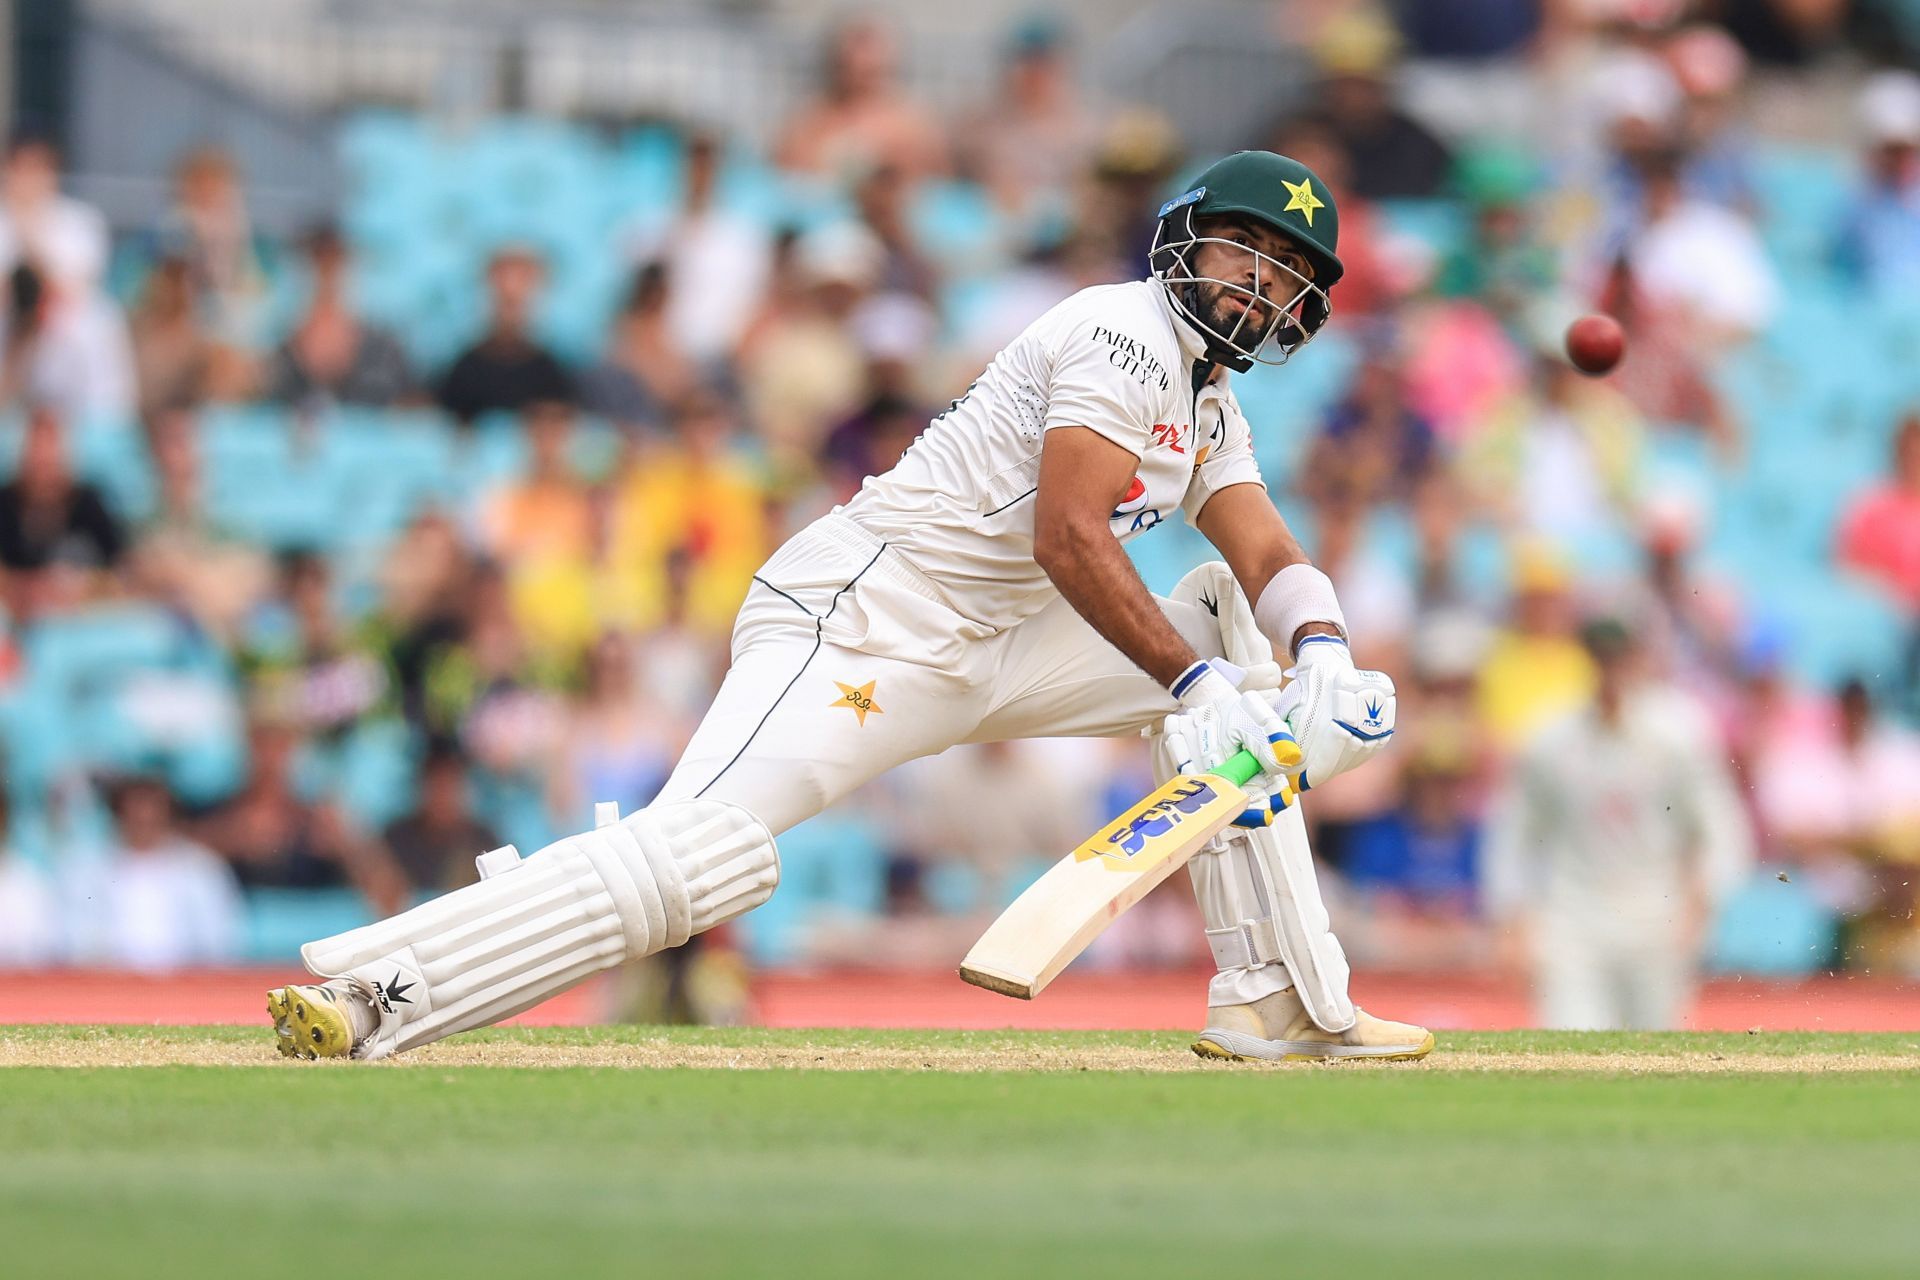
1106 380
1224 444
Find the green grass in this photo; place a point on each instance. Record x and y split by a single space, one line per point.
215 1171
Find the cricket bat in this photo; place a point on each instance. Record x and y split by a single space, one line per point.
1115 867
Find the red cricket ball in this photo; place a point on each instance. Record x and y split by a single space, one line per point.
1595 343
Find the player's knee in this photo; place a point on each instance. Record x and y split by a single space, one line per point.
675 868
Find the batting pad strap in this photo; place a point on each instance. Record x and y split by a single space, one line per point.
1247 945
1295 596
528 932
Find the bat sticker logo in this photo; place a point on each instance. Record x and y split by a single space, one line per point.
1157 821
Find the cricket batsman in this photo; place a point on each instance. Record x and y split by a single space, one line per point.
979 591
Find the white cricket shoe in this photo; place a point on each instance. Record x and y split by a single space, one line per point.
1276 1028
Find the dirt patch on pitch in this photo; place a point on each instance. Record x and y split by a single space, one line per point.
121 1050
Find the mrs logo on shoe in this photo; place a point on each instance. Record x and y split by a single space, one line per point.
388 992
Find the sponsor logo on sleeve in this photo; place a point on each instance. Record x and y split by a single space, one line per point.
1132 357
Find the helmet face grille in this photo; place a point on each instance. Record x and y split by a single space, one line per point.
1293 321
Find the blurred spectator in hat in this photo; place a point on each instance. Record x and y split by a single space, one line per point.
1641 108
715 262
173 356
1459 363
314 671
1880 528
63 341
508 701
1504 261
1372 442
29 905
620 744
1703 264
1421 860
56 531
546 514
1668 373
159 900
274 835
1769 706
65 240
1449 549
1616 834
860 116
1137 155
872 440
1559 458
1028 143
1535 668
179 554
785 294
677 660
434 845
1691 621
209 227
1443 664
1710 70
643 370
804 369
881 197
1838 802
898 334
507 369
333 356
1389 153
425 583
696 498
1878 246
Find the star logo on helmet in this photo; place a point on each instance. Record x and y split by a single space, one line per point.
1304 201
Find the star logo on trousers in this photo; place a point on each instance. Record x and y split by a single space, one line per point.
858 699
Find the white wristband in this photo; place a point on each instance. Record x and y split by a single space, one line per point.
1297 595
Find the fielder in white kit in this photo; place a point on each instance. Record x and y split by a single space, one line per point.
978 592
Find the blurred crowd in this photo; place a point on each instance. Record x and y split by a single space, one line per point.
550 638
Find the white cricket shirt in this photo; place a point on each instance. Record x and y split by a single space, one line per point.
1116 359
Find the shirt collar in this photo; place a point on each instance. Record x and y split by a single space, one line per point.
1193 347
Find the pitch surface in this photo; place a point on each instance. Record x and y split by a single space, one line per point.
692 1153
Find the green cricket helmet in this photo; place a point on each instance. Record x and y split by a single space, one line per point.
1287 196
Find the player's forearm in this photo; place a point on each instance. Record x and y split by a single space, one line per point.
1089 567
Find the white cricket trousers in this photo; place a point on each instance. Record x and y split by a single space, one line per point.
1611 971
847 662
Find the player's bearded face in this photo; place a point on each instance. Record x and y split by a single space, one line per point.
1242 286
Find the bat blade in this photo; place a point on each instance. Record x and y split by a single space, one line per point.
1065 909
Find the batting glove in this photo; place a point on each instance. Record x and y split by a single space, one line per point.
1341 716
1220 720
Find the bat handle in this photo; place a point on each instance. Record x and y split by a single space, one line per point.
1239 768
